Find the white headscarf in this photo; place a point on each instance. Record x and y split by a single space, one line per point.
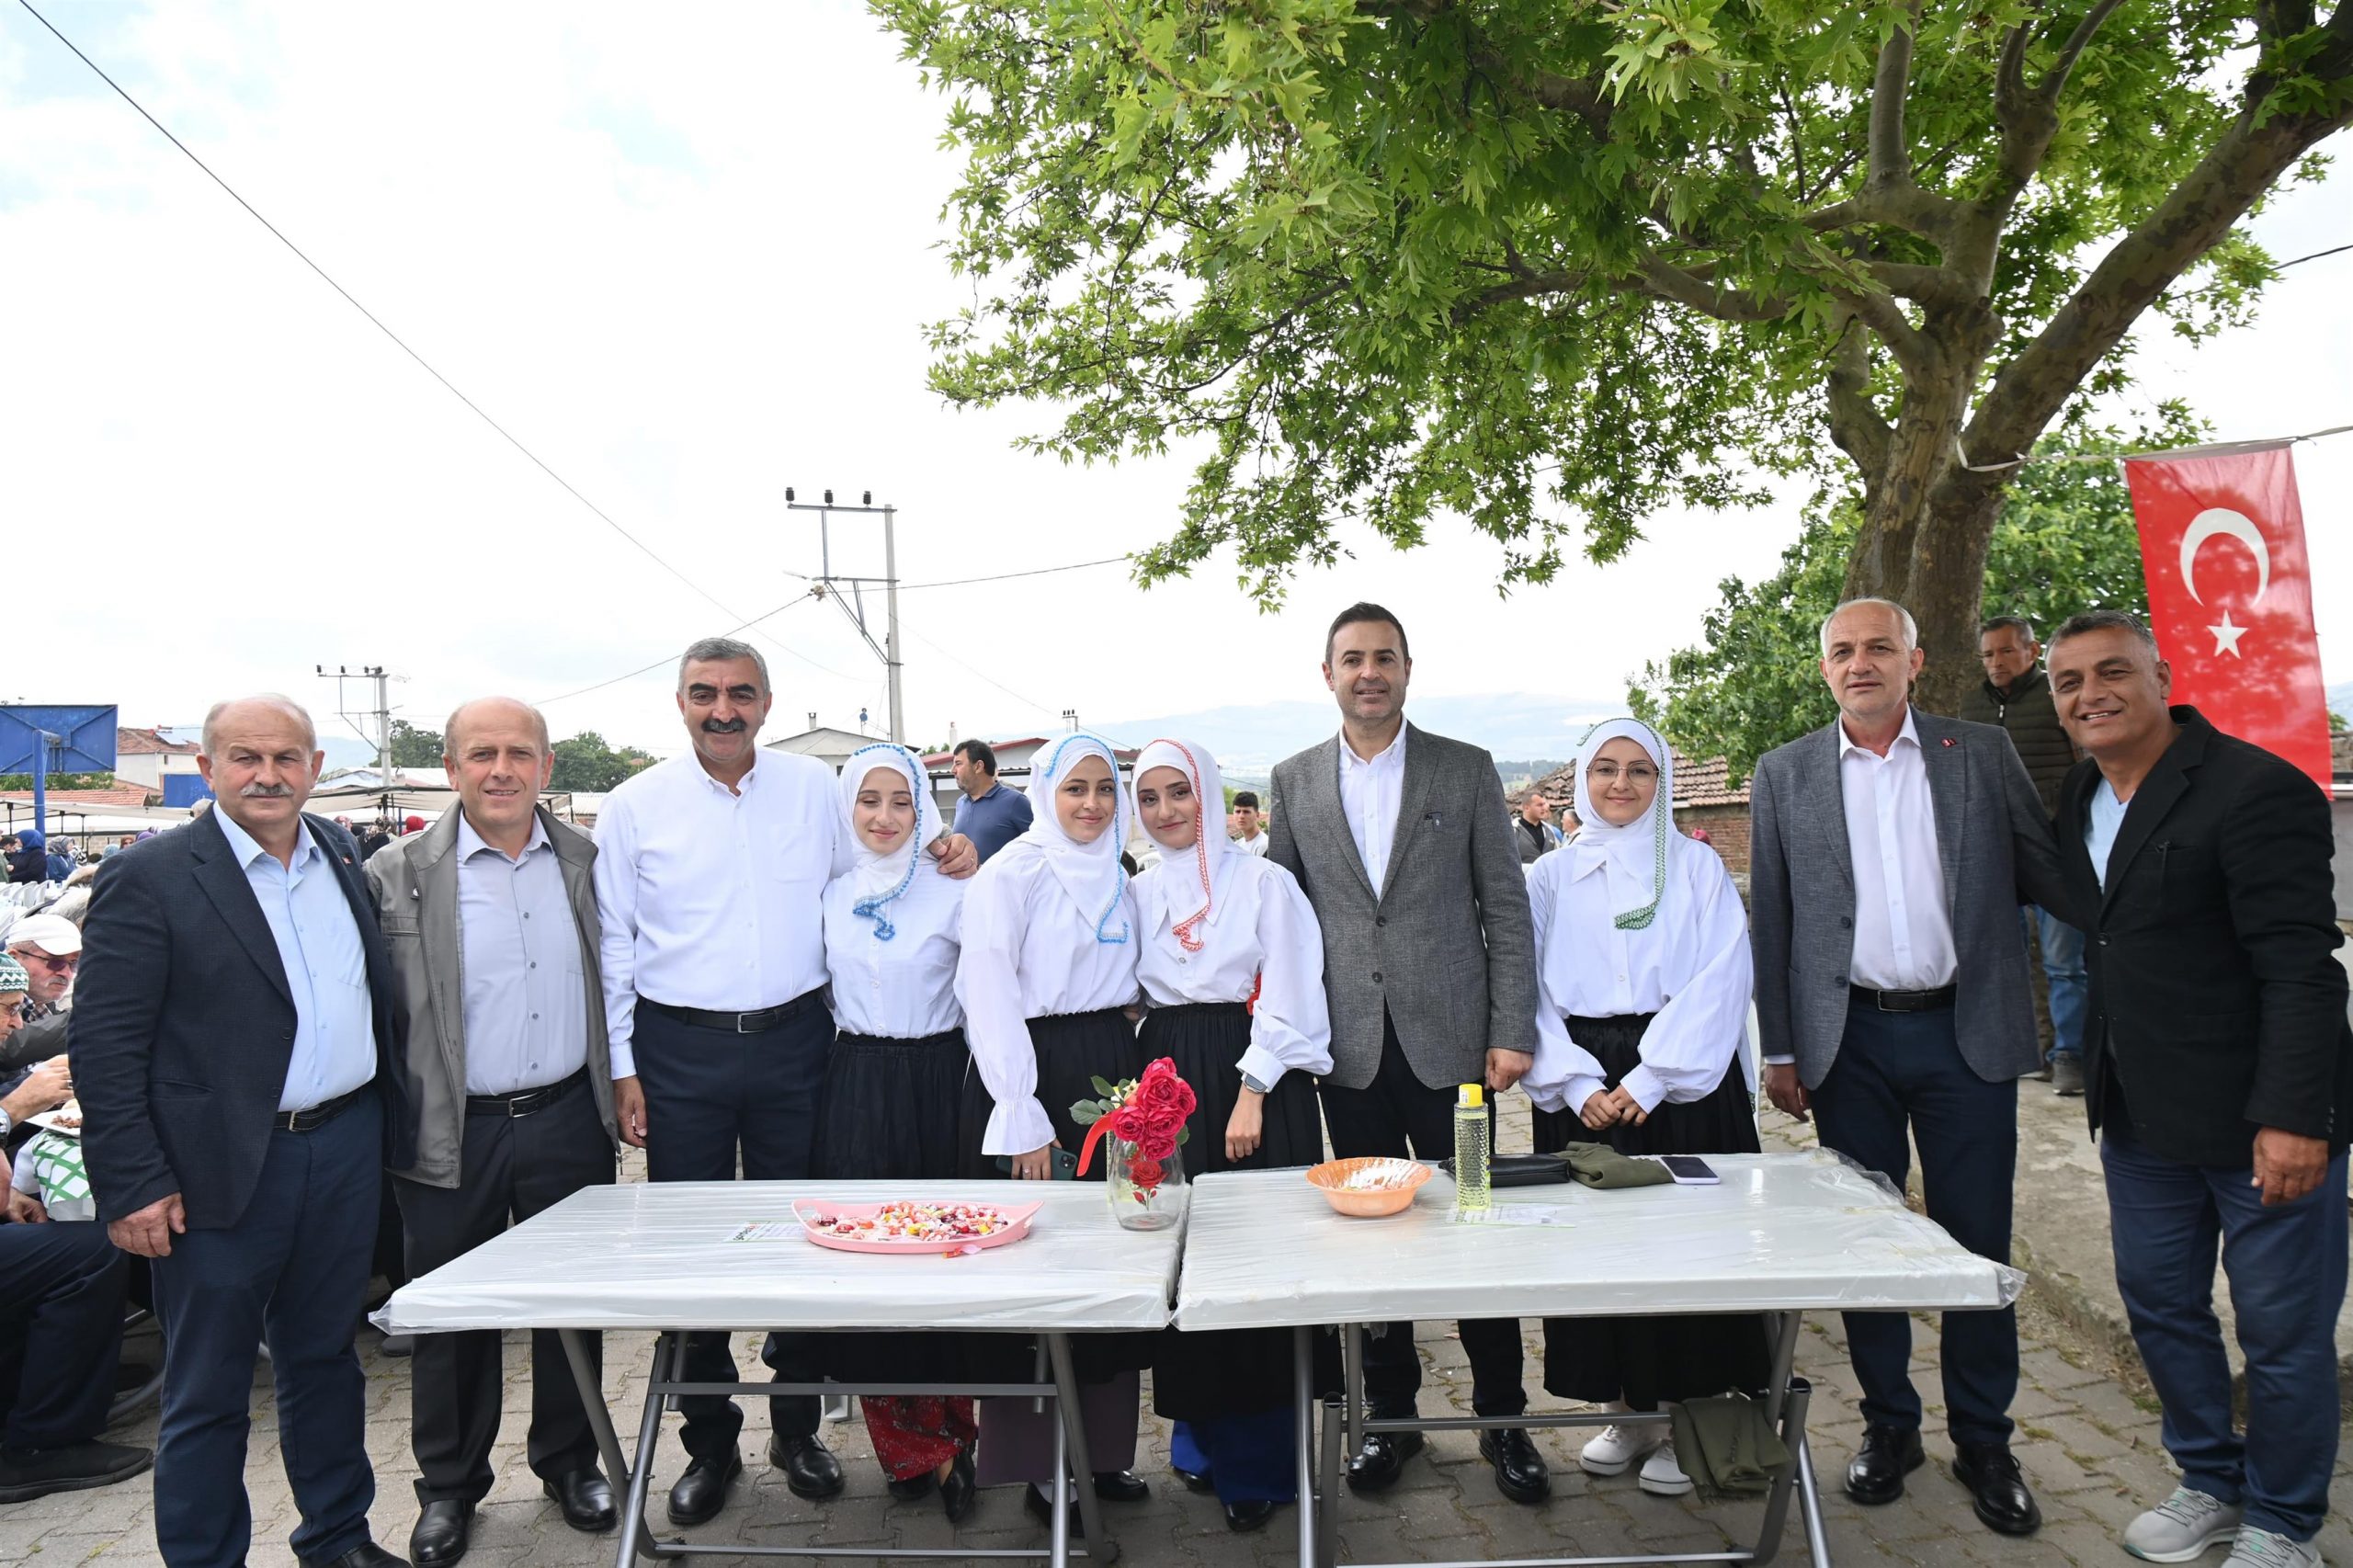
1187 887
879 879
1090 875
1634 857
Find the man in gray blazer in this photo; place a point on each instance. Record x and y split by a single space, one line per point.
1401 843
1890 851
490 915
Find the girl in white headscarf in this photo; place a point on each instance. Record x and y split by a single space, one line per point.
1232 966
1048 965
895 1088
1643 992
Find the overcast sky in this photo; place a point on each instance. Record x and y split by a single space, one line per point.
685 256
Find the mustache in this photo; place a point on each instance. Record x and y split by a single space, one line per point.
722 726
264 792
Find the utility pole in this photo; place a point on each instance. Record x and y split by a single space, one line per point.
381 712
855 606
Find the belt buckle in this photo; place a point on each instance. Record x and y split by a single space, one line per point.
745 1024
287 1119
1878 1000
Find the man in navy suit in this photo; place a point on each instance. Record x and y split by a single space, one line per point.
233 1045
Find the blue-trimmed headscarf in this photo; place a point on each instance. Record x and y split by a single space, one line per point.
1090 875
877 879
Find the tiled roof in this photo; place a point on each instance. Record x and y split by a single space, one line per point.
89 800
1695 784
128 742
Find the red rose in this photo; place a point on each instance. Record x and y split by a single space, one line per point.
1144 1171
1161 1089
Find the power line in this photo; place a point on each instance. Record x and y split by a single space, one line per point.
423 363
1003 576
642 669
1026 701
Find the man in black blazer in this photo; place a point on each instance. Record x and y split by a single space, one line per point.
233 1044
2219 1071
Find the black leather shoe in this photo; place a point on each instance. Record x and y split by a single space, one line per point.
1243 1517
27 1473
1521 1473
443 1532
1193 1479
1887 1456
366 1554
1377 1465
1041 1509
587 1498
1121 1487
809 1468
697 1496
1998 1494
914 1489
960 1491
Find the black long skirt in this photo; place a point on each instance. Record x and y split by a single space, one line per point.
1649 1361
893 1108
1073 1049
1201 1377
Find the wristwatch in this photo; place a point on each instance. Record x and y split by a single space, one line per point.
1248 1083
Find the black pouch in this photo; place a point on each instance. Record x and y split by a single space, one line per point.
1520 1170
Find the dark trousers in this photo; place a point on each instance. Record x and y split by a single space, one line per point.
292 1270
511 1167
710 1093
1895 1069
1399 1115
2286 1266
60 1332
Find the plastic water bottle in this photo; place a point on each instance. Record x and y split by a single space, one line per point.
1470 1190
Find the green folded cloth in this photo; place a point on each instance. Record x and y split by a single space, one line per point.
1598 1165
1727 1447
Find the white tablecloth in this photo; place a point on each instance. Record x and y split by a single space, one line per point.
1783 1232
657 1256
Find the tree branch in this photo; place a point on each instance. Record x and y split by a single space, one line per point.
1664 280
1586 97
2054 81
1856 423
1928 285
1890 166
1912 349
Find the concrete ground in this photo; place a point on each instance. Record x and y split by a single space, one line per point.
2088 1438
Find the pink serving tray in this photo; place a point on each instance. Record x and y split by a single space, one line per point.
811 1214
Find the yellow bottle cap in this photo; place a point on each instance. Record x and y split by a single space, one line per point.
1474 1097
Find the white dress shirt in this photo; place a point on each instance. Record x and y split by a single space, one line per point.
2101 824
1903 924
1257 845
325 962
904 988
526 999
1371 793
1028 953
1262 938
1690 966
712 897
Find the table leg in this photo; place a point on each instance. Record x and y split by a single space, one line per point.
1100 1547
600 1418
1795 1476
1817 1540
1058 1517
634 1536
1785 1353
1352 1349
1303 1392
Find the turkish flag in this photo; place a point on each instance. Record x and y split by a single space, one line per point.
2231 596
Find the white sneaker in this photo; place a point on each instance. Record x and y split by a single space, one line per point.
2182 1527
1661 1477
1615 1451
2269 1549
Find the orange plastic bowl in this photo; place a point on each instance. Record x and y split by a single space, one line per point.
1392 1196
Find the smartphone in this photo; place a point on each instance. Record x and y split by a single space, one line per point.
1062 1166
1689 1170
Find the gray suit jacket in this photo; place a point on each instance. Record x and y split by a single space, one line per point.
1446 947
415 882
1995 847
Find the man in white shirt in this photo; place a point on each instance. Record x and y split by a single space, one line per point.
1249 831
1892 1002
711 873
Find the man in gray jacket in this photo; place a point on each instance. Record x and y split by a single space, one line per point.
1401 843
1887 859
490 918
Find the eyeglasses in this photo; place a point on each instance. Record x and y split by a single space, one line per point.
53 964
1607 773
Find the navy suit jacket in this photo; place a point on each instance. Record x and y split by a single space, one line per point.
184 1024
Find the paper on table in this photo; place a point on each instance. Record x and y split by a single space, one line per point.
768 1230
1558 1214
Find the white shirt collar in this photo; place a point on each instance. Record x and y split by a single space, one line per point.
246 848
470 842
1909 733
1394 752
721 785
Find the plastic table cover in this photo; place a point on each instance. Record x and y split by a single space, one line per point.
1782 1232
657 1256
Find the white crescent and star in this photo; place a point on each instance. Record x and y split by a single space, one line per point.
2222 522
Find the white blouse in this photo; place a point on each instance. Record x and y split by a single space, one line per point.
1690 966
1030 953
1263 938
904 988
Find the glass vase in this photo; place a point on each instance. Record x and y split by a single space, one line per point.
1145 1195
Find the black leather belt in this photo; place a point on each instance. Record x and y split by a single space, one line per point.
320 1114
1905 1001
767 1019
523 1102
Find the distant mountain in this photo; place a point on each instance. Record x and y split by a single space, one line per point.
1250 740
